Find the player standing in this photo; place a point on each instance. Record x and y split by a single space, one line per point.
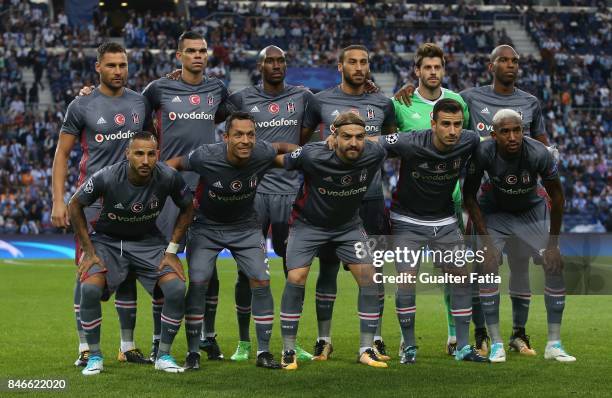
278 110
422 214
326 212
429 67
126 239
102 123
510 209
229 173
483 103
377 111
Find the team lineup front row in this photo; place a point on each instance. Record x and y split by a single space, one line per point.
336 176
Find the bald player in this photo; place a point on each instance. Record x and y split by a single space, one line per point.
278 109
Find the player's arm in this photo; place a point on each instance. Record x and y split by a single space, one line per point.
182 197
404 95
59 214
552 254
312 118
537 128
282 148
87 194
226 107
389 123
178 163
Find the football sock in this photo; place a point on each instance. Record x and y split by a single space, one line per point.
263 316
405 307
242 293
368 308
156 305
77 315
520 308
381 308
449 318
91 316
125 304
194 314
290 313
461 309
212 299
554 299
172 313
325 296
489 299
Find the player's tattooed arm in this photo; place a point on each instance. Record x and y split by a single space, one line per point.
552 256
59 213
183 222
284 147
79 223
176 163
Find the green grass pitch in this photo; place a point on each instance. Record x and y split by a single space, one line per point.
38 340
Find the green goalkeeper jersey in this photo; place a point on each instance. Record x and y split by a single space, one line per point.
418 116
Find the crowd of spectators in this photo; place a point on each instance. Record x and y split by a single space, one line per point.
572 79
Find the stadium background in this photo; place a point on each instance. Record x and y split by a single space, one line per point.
47 53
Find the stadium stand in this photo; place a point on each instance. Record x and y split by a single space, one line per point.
571 76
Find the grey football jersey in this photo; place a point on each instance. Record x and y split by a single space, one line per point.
332 190
129 211
427 177
225 193
185 113
278 118
104 126
376 109
483 103
512 183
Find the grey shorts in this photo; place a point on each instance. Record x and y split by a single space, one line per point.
120 257
246 245
274 211
306 239
415 237
522 234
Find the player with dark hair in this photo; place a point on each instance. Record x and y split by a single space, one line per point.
510 209
229 173
326 213
377 111
278 110
429 66
422 214
125 239
102 123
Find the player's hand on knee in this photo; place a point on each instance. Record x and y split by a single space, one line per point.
174 75
59 215
86 90
87 261
405 93
171 260
553 263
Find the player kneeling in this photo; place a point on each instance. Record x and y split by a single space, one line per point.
326 212
125 239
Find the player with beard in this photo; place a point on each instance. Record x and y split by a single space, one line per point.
377 111
278 110
429 68
102 123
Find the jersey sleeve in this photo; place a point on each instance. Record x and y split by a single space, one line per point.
537 122
235 100
194 161
268 151
547 167
225 107
153 95
477 163
312 113
74 121
397 145
295 159
92 189
180 193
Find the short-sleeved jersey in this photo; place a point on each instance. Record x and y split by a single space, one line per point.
427 176
512 183
332 190
278 118
185 113
225 193
129 211
483 103
418 115
104 126
376 109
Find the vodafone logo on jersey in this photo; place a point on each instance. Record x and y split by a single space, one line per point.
278 123
120 135
119 119
273 108
190 116
481 127
194 99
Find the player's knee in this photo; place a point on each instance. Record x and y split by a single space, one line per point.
173 289
255 283
298 276
91 291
